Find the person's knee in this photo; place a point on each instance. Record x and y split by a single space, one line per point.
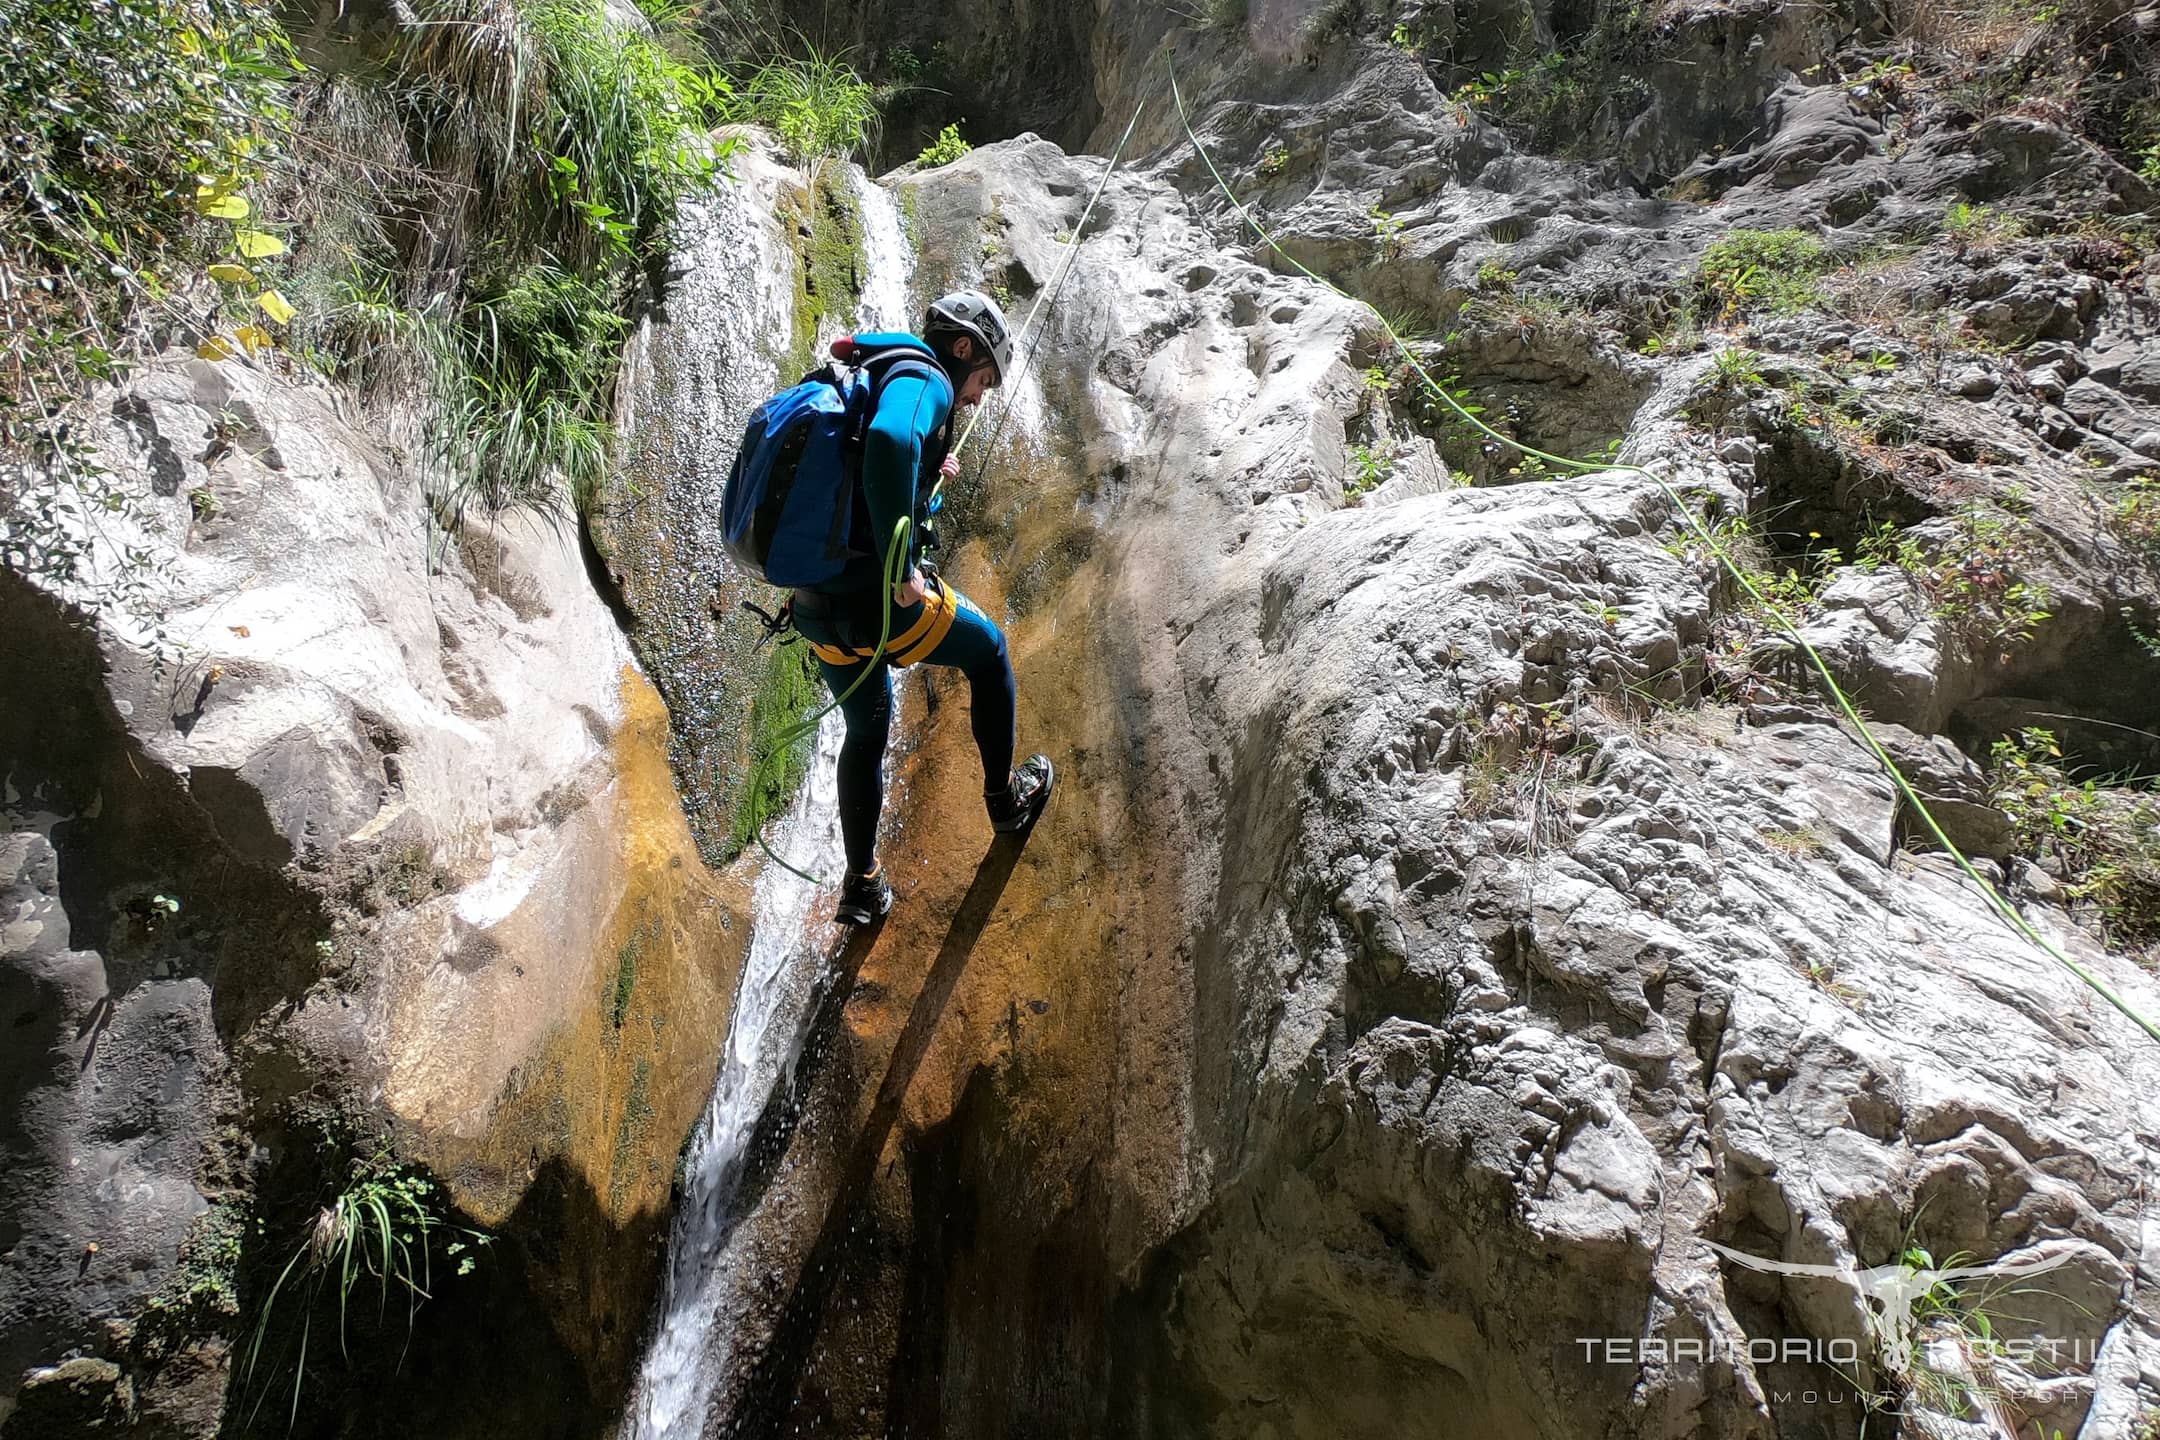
994 659
868 717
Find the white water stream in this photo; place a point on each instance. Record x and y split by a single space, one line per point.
709 1279
773 1001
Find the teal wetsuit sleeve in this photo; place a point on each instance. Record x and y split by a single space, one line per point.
910 409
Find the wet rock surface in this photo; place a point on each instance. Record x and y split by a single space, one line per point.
1442 933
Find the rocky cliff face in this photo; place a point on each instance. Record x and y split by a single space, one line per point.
390 856
1459 912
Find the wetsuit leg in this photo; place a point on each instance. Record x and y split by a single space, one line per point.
868 713
976 647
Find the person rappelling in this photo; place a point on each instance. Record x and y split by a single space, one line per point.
830 496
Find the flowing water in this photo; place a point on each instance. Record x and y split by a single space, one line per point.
773 1001
711 1270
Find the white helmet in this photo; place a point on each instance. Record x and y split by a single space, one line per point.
975 315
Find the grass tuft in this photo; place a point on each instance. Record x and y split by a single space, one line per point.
817 105
379 1233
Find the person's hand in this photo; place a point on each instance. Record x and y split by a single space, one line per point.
950 467
909 591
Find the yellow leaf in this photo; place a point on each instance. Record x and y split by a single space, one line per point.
231 274
256 245
254 337
224 207
276 306
214 348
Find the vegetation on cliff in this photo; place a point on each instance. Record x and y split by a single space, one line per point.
465 215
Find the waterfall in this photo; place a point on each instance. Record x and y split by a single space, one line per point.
773 999
710 1276
888 263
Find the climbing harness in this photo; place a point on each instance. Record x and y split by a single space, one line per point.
940 606
2008 912
788 736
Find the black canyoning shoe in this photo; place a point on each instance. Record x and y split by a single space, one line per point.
863 898
1016 807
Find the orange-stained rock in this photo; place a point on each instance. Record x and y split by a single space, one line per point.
584 1046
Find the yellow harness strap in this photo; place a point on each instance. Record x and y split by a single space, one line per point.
940 606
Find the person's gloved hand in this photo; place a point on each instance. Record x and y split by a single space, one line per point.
909 591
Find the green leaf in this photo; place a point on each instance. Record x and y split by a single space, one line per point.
225 207
276 306
257 245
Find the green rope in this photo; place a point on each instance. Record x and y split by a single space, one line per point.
1995 898
777 744
780 741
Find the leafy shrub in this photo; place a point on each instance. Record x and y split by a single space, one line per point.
947 148
2104 839
1978 231
1387 230
1782 594
1734 377
1575 100
1977 576
1371 466
622 132
381 1232
2136 515
569 143
138 132
1750 270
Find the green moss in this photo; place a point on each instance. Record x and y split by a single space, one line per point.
788 692
631 1130
626 968
829 277
911 216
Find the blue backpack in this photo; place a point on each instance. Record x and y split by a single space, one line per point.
790 496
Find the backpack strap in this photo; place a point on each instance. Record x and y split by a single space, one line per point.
881 369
